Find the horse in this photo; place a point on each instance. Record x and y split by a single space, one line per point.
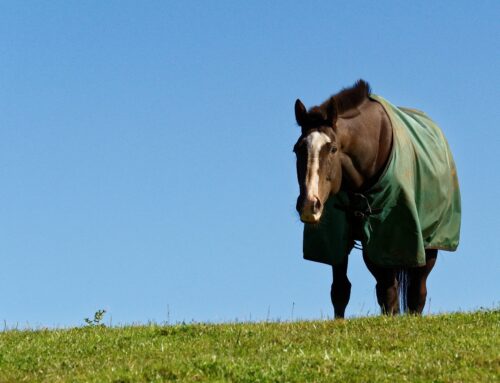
353 193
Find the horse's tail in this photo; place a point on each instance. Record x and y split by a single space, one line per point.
403 277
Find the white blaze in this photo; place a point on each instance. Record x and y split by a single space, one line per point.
315 141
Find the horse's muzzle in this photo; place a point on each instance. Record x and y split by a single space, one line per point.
310 209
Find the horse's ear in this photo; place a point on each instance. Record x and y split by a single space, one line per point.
331 112
300 112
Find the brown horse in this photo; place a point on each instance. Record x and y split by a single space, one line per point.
346 145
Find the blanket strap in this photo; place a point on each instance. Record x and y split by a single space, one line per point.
360 208
356 211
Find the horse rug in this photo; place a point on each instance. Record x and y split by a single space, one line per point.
415 205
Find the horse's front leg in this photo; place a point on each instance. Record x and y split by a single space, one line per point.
341 288
387 286
417 283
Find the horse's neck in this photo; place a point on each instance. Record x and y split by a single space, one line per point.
366 145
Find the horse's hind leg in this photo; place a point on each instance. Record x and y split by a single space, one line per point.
341 289
386 288
417 283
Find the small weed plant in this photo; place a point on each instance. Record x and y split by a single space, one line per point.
97 321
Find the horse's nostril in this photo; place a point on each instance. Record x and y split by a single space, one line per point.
317 206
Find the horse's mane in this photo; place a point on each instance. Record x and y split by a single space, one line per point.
346 99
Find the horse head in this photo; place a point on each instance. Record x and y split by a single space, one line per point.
318 159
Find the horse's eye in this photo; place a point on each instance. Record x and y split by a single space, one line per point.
333 149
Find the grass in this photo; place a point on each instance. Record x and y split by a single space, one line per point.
461 347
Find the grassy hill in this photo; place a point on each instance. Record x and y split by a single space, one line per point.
462 347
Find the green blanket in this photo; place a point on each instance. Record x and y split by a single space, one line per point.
414 206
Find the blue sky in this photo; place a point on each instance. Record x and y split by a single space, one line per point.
146 151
